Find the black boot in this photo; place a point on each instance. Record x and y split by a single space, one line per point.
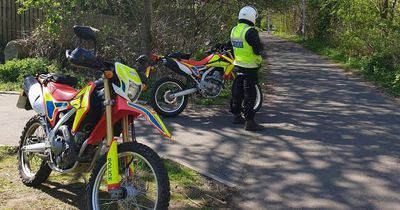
251 125
238 119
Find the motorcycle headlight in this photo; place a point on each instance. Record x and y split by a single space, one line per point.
134 91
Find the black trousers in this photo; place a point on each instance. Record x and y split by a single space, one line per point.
244 92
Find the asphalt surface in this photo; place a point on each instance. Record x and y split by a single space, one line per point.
12 119
332 141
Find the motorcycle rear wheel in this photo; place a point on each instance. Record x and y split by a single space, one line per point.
149 183
259 98
161 103
32 170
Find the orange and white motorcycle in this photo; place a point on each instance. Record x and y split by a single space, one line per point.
78 131
205 78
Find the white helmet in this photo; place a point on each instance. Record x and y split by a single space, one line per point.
248 13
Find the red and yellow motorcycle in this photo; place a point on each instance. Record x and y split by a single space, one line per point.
205 78
79 131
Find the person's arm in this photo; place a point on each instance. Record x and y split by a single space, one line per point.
228 45
253 39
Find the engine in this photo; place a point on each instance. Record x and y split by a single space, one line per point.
61 152
64 147
211 85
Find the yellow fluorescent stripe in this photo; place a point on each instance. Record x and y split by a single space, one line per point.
227 58
112 164
229 69
164 128
81 103
166 131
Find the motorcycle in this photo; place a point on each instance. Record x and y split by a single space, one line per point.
77 131
205 78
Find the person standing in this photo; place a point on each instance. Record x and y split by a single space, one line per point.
247 49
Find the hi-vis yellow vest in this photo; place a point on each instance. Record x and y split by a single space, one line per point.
244 55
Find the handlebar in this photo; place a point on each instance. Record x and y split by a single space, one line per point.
220 48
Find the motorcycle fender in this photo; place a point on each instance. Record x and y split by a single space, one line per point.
122 108
177 67
151 116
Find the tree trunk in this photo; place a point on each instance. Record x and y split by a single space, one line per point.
303 19
146 27
385 9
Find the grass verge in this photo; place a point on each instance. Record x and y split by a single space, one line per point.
189 189
10 86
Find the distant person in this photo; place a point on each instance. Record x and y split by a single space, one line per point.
247 49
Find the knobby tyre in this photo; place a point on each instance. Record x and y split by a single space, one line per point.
32 169
259 99
149 179
160 100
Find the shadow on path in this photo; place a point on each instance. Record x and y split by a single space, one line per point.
331 141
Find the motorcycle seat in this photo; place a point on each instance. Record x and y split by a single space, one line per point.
58 78
180 55
202 62
61 92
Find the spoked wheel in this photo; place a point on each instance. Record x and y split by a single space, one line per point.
144 181
162 101
33 170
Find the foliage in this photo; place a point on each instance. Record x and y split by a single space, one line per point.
56 12
191 26
15 70
366 31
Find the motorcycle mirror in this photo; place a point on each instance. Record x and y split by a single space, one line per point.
85 32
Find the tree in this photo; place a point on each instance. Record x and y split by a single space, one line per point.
146 23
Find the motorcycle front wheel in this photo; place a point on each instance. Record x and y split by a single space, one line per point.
143 176
161 100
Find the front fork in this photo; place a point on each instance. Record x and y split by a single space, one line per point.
112 170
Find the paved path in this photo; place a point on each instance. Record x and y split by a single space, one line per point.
331 141
12 119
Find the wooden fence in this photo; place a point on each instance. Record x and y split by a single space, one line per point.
14 25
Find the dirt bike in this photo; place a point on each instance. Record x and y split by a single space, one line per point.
205 78
77 131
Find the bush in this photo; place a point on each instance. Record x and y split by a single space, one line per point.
15 70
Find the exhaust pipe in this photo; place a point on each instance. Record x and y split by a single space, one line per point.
184 92
37 148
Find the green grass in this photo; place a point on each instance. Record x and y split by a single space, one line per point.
384 78
189 189
222 99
